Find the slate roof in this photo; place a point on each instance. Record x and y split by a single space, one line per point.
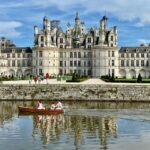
141 49
17 50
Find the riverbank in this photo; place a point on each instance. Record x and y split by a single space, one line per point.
90 90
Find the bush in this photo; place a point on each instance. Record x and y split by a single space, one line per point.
139 79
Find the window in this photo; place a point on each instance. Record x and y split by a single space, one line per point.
61 46
61 64
13 63
79 63
60 71
75 63
71 55
137 63
61 40
40 54
137 55
29 55
89 54
113 54
40 62
42 38
89 63
71 64
19 63
122 63
65 63
79 54
122 55
75 55
89 46
113 62
40 71
89 40
9 63
147 63
147 55
84 63
61 54
127 55
142 55
8 55
23 63
29 63
112 45
132 55
142 63
112 38
127 63
89 72
24 55
18 55
13 55
42 45
132 63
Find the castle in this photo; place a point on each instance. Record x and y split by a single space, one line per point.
93 52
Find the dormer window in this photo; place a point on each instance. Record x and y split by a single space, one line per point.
89 40
61 40
137 50
147 50
127 50
112 38
42 38
13 50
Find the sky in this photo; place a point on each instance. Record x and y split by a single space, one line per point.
18 17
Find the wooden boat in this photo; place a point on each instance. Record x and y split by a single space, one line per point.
32 110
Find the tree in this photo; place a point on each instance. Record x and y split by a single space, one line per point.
139 79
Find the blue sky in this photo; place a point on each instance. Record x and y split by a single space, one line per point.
17 17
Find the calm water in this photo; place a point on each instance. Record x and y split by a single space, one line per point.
96 126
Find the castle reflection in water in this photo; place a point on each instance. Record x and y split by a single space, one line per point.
51 127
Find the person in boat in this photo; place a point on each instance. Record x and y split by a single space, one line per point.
40 105
58 106
52 107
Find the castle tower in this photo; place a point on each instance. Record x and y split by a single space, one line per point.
47 29
77 25
35 35
105 19
102 32
35 30
69 36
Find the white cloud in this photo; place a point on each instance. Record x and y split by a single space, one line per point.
9 29
143 41
129 10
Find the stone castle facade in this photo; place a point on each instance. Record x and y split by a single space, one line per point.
93 52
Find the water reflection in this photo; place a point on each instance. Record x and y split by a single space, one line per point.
51 128
89 130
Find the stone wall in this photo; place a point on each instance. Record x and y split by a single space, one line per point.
76 92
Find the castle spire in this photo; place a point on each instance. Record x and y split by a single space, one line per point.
77 16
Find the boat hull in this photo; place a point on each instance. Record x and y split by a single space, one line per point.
32 110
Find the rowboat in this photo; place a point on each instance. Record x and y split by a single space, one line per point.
32 110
